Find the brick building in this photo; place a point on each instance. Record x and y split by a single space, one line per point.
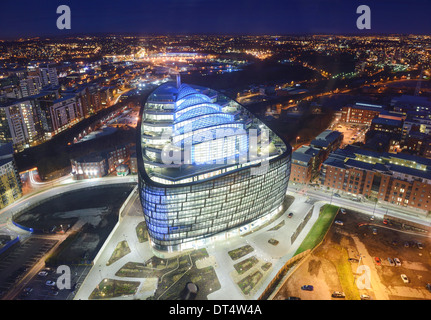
399 179
360 113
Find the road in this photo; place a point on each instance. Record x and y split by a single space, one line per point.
53 190
367 207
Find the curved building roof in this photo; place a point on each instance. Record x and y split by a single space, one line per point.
188 130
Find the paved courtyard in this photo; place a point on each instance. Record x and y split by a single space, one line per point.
260 255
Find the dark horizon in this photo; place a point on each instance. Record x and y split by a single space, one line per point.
133 34
210 17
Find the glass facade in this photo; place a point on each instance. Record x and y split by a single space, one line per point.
215 189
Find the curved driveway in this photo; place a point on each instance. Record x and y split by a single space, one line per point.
7 213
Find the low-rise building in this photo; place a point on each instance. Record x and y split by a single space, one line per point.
399 179
386 125
90 166
305 164
360 113
328 141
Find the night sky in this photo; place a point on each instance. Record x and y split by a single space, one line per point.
38 18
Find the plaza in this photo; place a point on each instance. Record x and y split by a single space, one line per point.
256 252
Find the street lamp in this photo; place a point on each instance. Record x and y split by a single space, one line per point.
375 205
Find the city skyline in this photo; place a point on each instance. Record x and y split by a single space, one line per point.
214 150
208 17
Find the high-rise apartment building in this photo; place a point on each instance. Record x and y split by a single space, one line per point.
48 75
10 182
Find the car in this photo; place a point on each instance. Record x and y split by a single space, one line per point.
339 222
404 278
378 261
372 218
27 290
290 215
428 286
293 298
338 294
54 291
337 195
343 211
394 242
391 262
385 221
406 244
397 262
353 260
365 297
374 231
42 274
50 283
419 245
307 288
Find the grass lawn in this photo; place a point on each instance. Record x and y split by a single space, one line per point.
345 274
318 231
120 251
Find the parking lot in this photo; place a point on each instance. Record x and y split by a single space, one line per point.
37 288
20 258
352 132
357 242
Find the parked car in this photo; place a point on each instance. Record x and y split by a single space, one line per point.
293 298
404 278
397 262
378 261
338 294
27 290
391 262
394 242
365 297
372 218
343 211
406 244
428 286
54 292
290 215
337 195
420 246
374 231
385 221
50 283
353 260
339 222
307 288
42 274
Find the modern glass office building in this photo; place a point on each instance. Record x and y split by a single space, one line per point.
208 169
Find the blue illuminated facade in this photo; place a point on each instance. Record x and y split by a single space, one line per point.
210 189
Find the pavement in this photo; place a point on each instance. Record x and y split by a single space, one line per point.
217 250
53 190
306 198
